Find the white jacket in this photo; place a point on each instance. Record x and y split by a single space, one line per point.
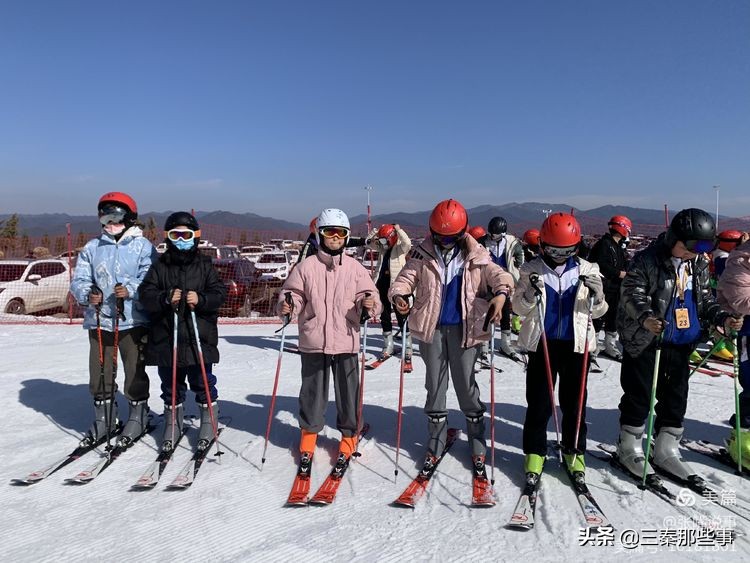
531 328
398 254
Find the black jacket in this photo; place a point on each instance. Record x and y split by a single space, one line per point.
196 274
612 260
648 289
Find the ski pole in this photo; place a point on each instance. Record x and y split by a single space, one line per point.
492 404
287 320
363 342
102 385
175 309
400 396
652 403
534 278
209 399
737 422
584 376
115 346
716 346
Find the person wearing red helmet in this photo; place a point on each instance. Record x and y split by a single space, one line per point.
728 241
530 242
478 232
447 287
553 298
609 253
108 273
393 245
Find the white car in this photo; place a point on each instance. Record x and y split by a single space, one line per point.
30 286
274 265
251 253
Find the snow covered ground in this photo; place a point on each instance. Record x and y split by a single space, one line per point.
234 512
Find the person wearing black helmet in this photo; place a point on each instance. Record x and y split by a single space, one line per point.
507 252
665 296
184 281
108 272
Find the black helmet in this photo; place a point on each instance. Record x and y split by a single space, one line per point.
181 218
691 225
497 226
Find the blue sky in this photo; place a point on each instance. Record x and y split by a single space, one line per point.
282 108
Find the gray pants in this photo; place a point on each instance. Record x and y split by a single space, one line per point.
130 345
442 353
313 395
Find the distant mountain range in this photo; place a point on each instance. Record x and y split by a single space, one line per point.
520 216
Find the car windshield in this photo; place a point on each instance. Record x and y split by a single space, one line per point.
11 272
272 259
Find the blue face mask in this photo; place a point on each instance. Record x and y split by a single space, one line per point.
182 244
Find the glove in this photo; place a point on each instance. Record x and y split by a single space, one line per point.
534 289
595 286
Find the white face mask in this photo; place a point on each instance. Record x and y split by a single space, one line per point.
114 230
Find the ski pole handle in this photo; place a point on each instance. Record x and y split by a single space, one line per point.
96 291
534 279
365 312
120 303
288 316
487 317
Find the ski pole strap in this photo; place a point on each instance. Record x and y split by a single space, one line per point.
365 312
534 279
288 316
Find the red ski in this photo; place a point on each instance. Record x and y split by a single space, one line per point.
377 363
407 365
326 494
418 486
482 493
301 485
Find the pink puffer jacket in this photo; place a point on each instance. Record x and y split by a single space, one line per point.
421 276
733 291
327 292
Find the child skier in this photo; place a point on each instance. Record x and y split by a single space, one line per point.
565 284
454 284
184 281
665 292
394 244
329 292
108 272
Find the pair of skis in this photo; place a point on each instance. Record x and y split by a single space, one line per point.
326 493
482 493
382 359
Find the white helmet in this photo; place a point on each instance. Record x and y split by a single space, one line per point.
332 218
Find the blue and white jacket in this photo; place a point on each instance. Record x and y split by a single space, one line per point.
105 262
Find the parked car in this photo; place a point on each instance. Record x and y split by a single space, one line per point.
370 258
222 252
251 253
32 286
239 276
274 265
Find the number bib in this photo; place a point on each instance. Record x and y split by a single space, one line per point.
682 318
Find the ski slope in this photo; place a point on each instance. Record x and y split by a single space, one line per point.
235 512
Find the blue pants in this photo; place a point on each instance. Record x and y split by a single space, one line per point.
194 378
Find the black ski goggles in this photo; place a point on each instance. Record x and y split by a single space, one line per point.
701 246
112 215
446 240
560 253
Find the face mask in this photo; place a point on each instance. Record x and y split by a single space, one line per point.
182 244
114 230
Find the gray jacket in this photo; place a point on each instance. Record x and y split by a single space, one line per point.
648 289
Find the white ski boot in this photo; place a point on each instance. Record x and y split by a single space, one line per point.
630 450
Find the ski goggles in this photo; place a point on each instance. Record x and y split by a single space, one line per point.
383 241
111 215
560 253
700 246
446 240
184 234
330 232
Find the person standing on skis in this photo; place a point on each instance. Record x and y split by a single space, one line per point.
507 252
664 299
108 272
447 287
181 281
394 244
609 253
329 292
569 289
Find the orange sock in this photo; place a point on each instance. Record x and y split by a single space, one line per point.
307 441
347 445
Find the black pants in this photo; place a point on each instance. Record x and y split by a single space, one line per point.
313 395
505 320
567 365
194 378
671 390
608 322
130 346
385 316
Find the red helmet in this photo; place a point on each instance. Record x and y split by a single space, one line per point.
448 218
728 240
621 225
531 237
477 232
561 230
121 199
314 225
389 233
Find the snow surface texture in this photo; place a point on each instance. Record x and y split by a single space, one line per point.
234 512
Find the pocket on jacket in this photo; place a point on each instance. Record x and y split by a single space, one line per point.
479 313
